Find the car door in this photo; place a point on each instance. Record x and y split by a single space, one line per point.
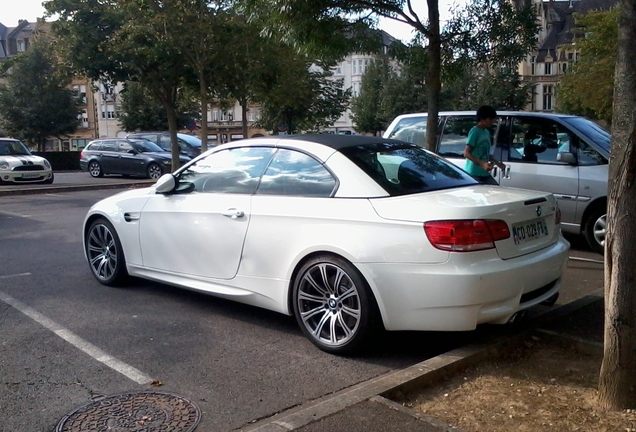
130 162
201 233
454 137
108 156
529 146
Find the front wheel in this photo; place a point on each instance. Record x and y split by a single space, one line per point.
333 305
154 171
104 253
595 230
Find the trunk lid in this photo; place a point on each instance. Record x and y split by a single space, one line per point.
530 215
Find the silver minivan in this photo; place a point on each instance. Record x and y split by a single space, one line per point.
563 154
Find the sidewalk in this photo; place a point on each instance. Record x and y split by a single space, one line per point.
364 408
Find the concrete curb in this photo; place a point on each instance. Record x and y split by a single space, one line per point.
44 189
412 377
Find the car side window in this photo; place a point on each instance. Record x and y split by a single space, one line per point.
537 140
124 146
455 135
296 174
411 130
109 146
236 170
164 142
587 156
96 146
183 146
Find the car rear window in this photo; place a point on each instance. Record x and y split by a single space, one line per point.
403 169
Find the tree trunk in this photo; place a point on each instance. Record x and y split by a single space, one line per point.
244 117
203 90
172 127
617 381
434 79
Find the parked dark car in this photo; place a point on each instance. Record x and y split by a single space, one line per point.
189 145
133 157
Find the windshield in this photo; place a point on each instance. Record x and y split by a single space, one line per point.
403 169
591 130
190 139
13 147
144 146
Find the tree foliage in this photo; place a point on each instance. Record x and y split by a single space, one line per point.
597 37
366 107
139 111
37 102
485 31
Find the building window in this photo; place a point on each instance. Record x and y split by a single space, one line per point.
548 69
215 115
570 56
254 115
338 69
548 92
355 91
83 118
565 67
533 60
108 111
21 45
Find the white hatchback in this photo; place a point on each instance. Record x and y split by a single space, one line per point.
346 233
19 166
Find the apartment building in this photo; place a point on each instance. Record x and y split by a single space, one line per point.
556 50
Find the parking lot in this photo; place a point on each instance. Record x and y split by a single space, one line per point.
67 339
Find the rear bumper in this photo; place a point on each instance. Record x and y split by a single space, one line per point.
463 292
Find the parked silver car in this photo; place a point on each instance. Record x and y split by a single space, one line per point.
563 154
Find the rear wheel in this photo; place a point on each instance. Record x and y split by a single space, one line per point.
154 171
104 253
333 305
95 169
595 230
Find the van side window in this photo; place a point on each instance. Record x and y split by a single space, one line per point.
586 155
537 140
411 130
455 135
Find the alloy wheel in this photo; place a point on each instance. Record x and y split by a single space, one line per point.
102 252
600 229
329 304
154 171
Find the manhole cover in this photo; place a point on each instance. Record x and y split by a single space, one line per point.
133 412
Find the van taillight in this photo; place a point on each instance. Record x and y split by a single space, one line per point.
466 235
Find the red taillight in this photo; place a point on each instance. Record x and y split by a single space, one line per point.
81 155
466 235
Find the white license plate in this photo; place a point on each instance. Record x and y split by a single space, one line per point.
31 175
529 230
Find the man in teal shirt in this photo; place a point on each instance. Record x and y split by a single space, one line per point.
479 161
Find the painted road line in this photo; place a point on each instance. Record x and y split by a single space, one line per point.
70 337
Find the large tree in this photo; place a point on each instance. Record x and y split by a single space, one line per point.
596 39
617 389
367 115
37 102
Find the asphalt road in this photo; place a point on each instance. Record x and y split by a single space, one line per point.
66 339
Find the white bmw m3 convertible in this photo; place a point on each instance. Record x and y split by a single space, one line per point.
346 233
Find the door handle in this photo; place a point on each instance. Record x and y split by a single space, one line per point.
233 213
507 172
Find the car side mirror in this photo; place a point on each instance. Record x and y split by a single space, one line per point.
132 151
567 157
166 184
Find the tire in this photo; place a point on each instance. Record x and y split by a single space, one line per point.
105 254
95 169
594 230
337 319
49 181
154 171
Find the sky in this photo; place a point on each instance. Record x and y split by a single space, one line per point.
30 10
